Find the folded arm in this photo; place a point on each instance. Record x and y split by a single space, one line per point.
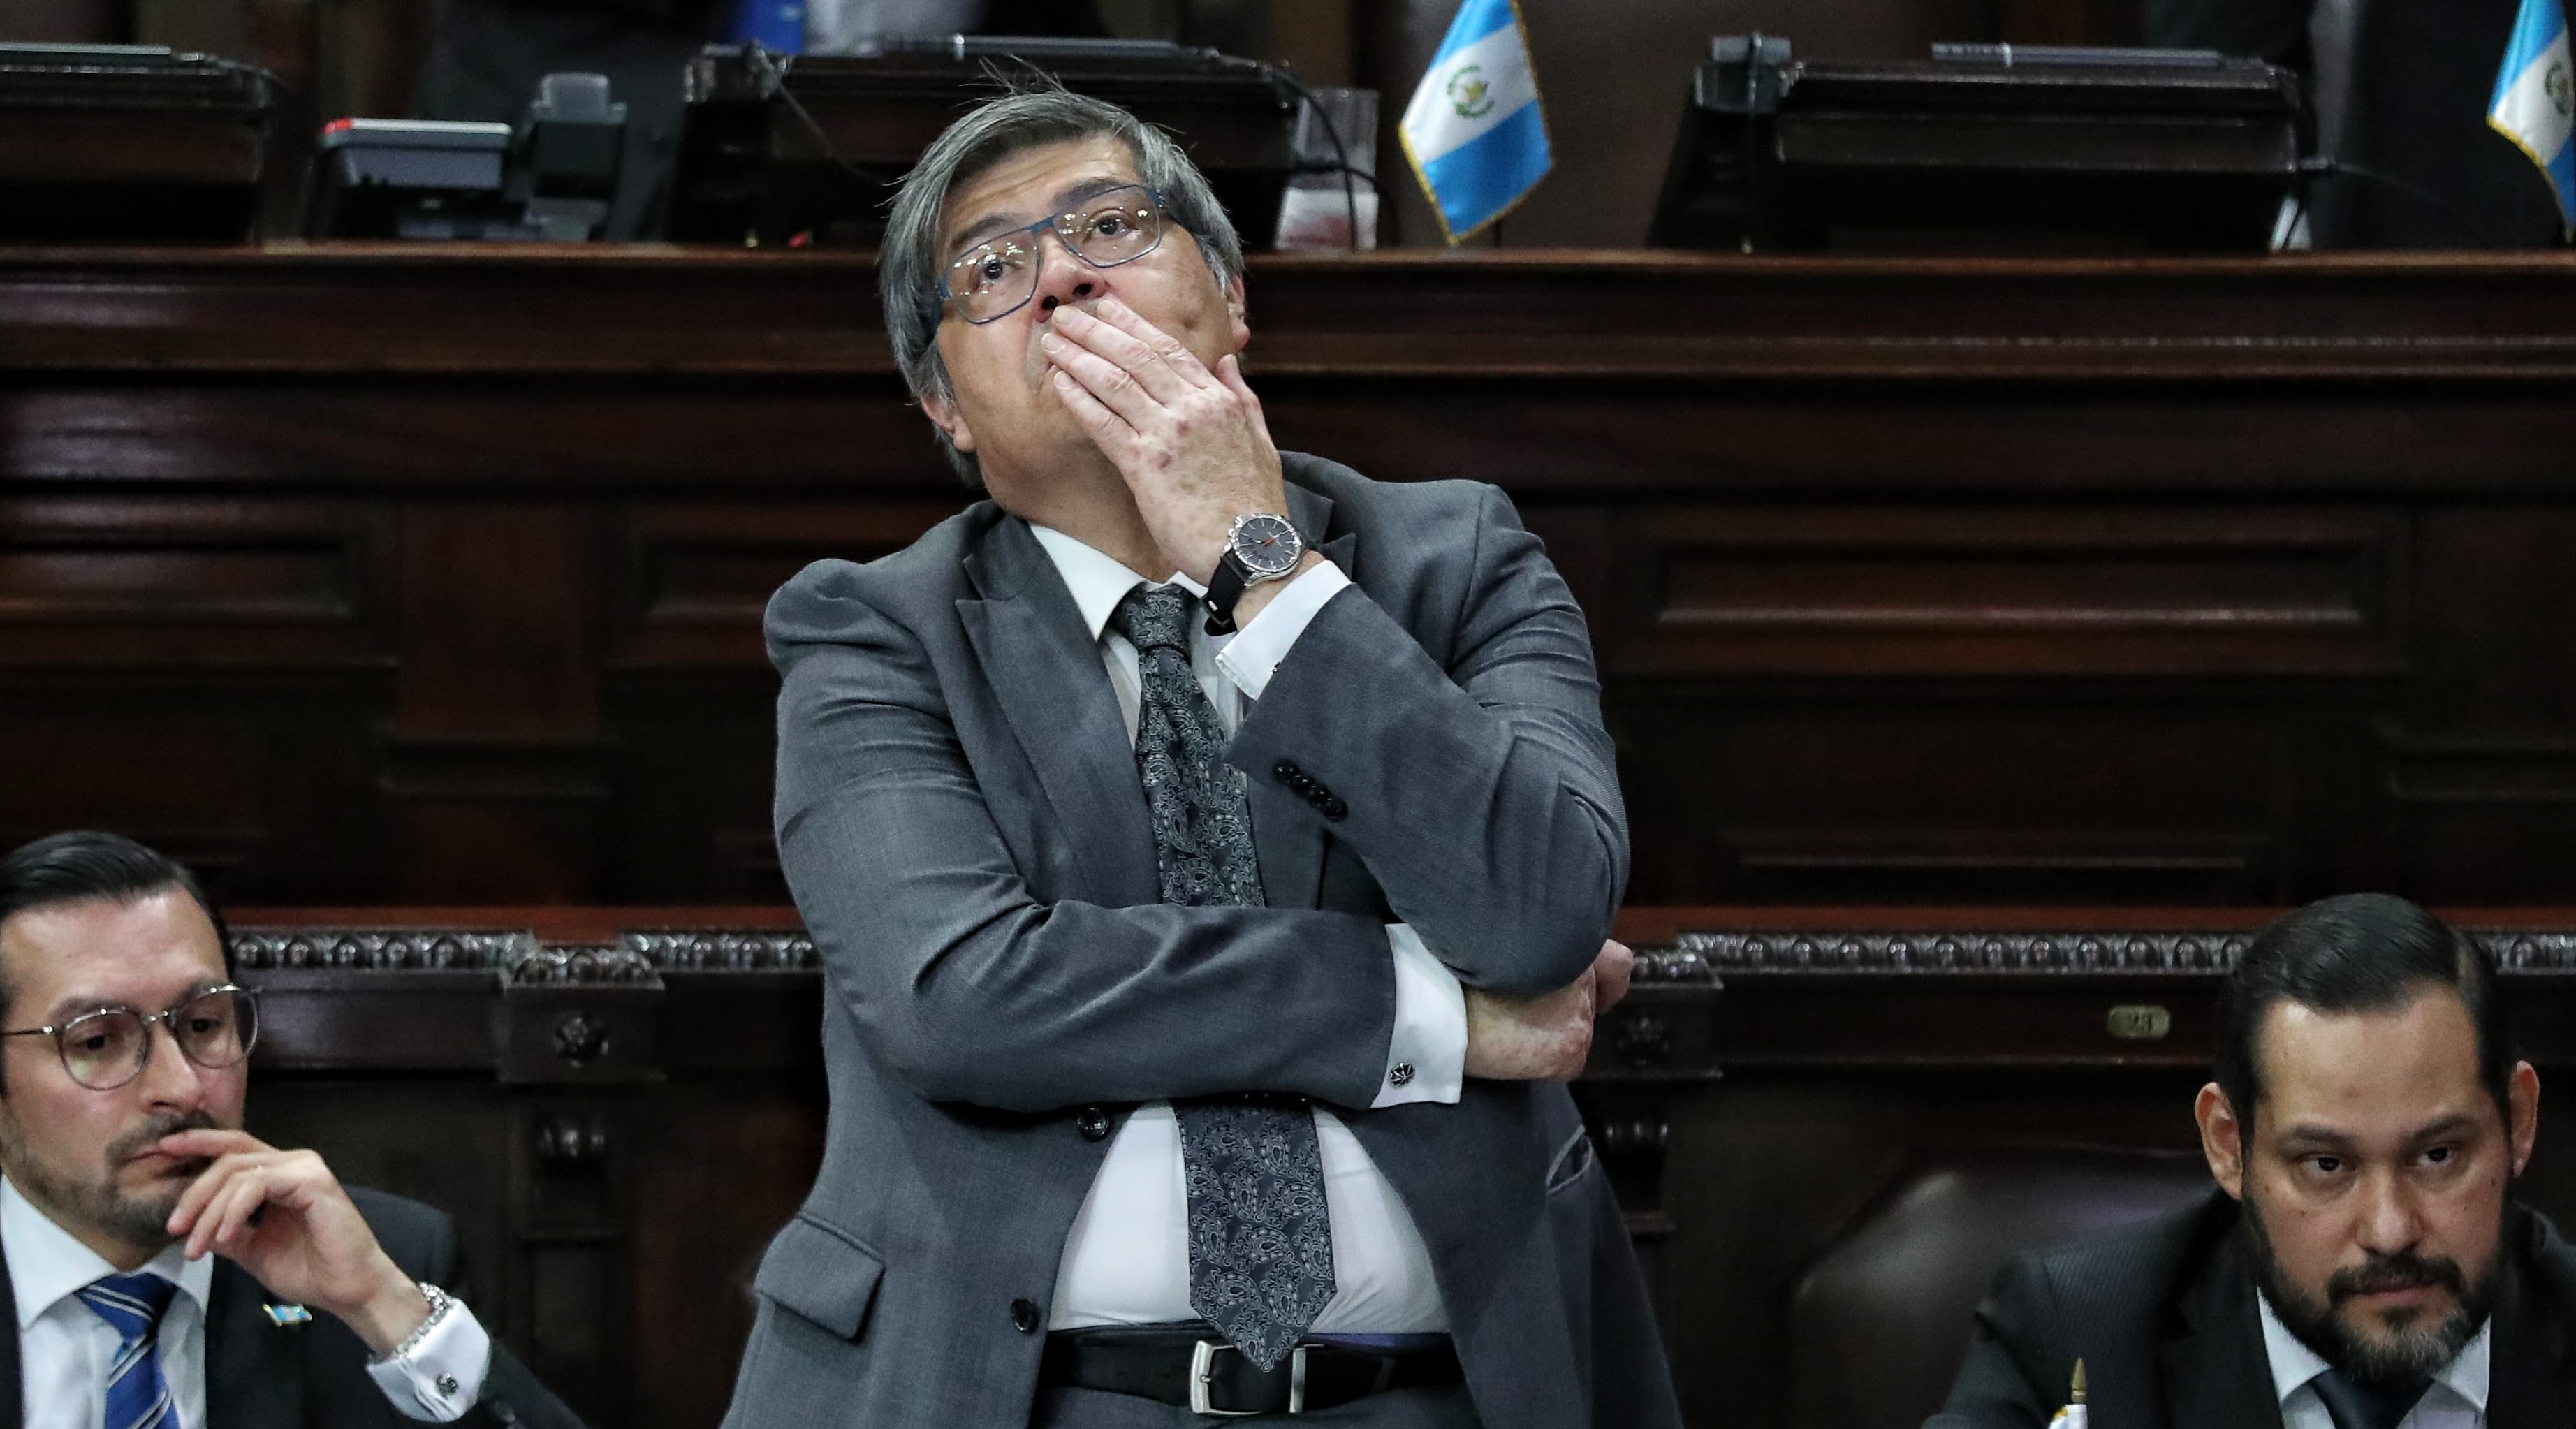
1502 754
973 990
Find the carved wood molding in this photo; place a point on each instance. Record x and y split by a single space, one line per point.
738 950
383 950
2071 951
1694 959
583 965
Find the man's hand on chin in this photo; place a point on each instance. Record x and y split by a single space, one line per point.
1192 444
282 1216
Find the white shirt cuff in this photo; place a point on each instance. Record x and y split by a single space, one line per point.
1256 650
1426 1059
440 1378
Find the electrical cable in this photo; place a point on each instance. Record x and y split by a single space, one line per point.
2325 166
1332 132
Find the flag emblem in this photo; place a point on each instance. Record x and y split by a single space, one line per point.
1473 130
1468 90
2535 100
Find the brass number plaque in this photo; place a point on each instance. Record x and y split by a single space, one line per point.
2139 1022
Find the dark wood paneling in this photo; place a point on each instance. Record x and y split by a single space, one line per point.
1979 580
622 1105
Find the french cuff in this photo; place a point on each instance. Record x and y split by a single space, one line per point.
1426 1059
439 1377
1256 650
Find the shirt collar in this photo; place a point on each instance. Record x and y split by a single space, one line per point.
47 1263
1097 580
2294 1364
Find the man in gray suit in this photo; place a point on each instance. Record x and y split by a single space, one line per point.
1211 852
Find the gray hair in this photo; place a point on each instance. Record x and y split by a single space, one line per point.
1035 112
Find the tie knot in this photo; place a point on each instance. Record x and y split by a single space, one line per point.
131 1303
1152 616
2366 1404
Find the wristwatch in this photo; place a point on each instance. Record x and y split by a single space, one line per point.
1258 548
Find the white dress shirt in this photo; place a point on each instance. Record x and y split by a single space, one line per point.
2456 1400
1127 1260
65 1348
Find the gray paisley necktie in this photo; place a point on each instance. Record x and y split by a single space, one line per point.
1261 1241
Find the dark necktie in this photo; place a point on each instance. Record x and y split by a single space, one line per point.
1261 1241
137 1396
2355 1404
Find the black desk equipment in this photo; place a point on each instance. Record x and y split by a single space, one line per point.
807 149
1983 148
129 143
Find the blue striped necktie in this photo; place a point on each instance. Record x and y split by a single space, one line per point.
137 1396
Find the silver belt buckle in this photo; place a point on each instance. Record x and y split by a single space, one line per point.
1203 1377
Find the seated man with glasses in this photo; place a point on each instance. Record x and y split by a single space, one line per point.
1210 851
125 1064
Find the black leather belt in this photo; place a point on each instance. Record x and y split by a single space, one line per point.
1211 1377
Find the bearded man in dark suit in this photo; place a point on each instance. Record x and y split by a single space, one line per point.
2362 1263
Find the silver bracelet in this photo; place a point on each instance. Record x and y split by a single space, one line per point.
440 1302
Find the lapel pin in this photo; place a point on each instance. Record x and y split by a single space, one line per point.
285 1315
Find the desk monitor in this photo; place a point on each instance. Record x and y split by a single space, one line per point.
1983 148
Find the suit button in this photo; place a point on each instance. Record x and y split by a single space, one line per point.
1286 773
1024 1316
1093 1124
1333 807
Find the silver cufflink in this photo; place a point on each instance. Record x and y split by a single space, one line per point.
1402 1075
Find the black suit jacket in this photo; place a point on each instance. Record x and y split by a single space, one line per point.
2165 1320
262 1376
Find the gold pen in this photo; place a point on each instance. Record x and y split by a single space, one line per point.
2074 1415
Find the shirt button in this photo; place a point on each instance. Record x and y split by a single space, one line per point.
1093 1124
1402 1076
447 1384
1024 1316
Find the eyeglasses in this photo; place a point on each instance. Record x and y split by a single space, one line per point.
997 276
104 1050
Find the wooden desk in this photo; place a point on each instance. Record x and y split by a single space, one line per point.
370 574
622 1104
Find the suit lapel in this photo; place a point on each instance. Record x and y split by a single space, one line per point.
1044 669
2528 1367
2215 1373
13 1396
1285 835
251 1373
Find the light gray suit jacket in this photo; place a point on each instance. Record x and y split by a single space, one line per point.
961 821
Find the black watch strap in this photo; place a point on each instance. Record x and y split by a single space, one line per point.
1225 588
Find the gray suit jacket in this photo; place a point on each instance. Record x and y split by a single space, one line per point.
960 818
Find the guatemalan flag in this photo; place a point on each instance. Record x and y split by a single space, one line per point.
1474 132
2535 99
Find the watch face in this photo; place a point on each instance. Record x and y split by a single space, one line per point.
1267 545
